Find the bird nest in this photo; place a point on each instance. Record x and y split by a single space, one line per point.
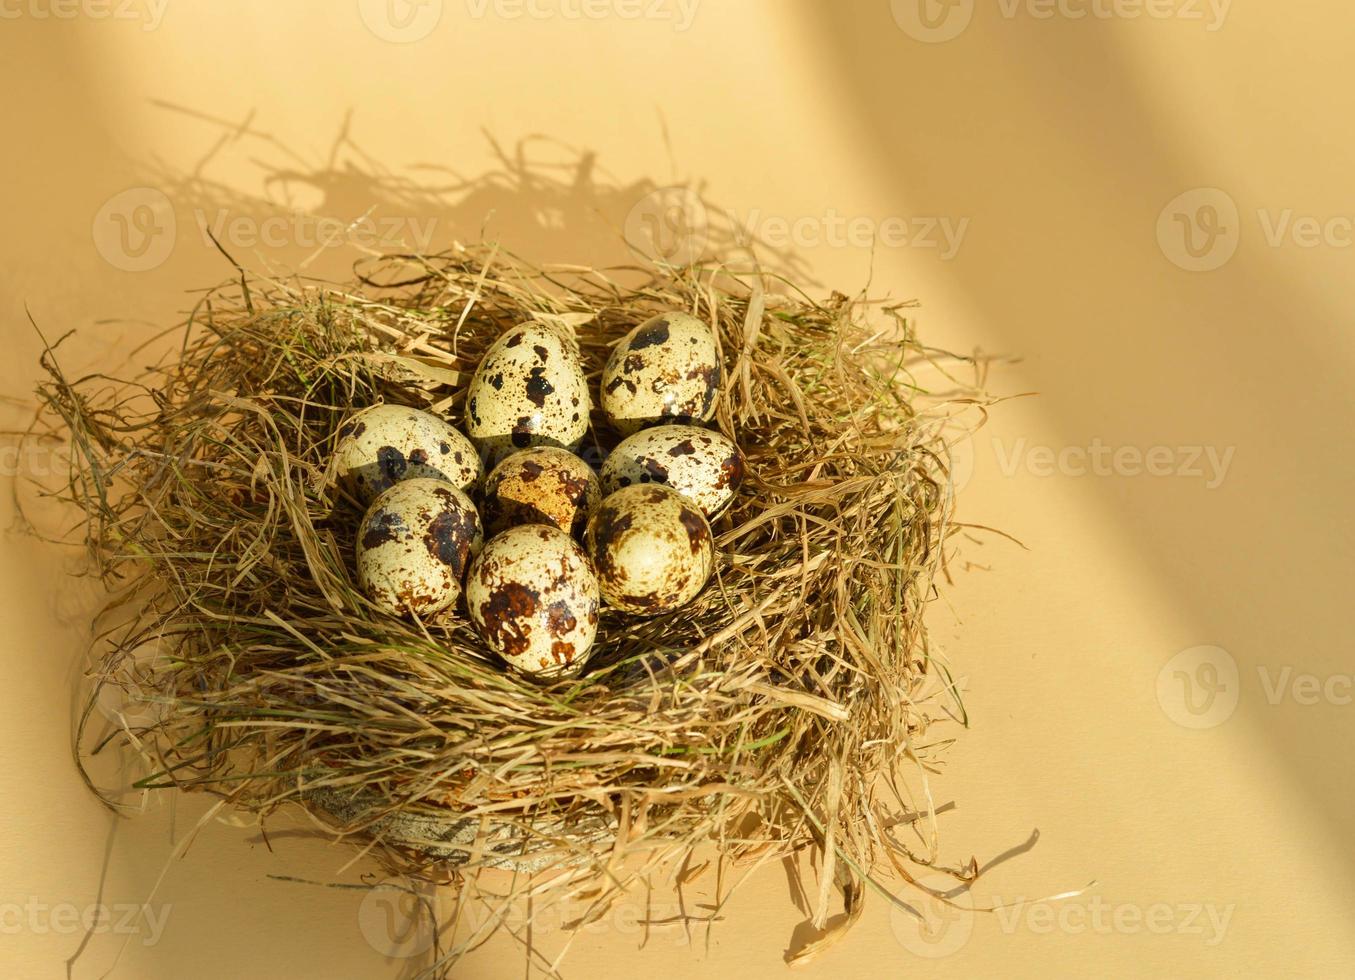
787 708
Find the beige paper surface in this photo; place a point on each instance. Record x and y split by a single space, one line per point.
1152 211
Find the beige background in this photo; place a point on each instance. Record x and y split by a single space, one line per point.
1059 140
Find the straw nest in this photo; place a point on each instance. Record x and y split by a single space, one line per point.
787 708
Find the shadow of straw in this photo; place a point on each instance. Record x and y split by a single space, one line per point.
544 200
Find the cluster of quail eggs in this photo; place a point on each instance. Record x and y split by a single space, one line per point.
550 539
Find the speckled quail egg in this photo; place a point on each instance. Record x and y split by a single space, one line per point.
381 445
533 598
665 370
702 465
414 545
651 547
528 390
544 485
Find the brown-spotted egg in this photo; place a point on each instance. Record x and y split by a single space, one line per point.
414 545
381 445
528 390
533 598
651 548
702 465
544 485
665 370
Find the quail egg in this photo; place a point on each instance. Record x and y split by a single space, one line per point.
414 545
651 547
544 485
702 465
533 598
384 444
665 370
529 390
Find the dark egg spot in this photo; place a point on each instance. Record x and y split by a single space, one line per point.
655 471
531 470
606 527
508 609
697 532
562 652
383 526
391 464
445 449
496 379
650 335
633 363
514 339
683 448
731 472
538 387
560 618
522 432
354 429
449 537
617 382
419 457
541 352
